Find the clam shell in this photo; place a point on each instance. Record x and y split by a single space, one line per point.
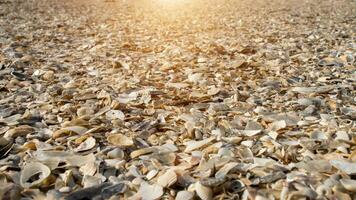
34 169
120 140
88 144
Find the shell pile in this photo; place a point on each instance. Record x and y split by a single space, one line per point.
158 99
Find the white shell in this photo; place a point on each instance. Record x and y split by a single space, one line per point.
204 192
120 140
184 195
167 179
349 184
150 192
32 169
192 145
88 144
115 114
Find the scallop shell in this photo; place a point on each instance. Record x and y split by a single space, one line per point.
204 192
120 140
34 169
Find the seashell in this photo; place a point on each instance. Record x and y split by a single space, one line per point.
345 166
212 182
77 160
19 131
151 174
10 191
5 146
349 184
90 181
204 192
184 195
84 111
48 75
167 179
19 76
318 135
310 90
87 193
120 140
249 133
115 114
35 170
140 152
315 166
253 125
150 192
235 186
232 140
342 136
193 145
278 125
165 158
115 189
225 170
116 153
67 131
88 144
88 169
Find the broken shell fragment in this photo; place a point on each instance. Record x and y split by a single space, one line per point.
349 184
193 145
19 131
88 144
167 179
120 140
204 192
150 192
115 114
34 174
184 195
144 151
345 166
